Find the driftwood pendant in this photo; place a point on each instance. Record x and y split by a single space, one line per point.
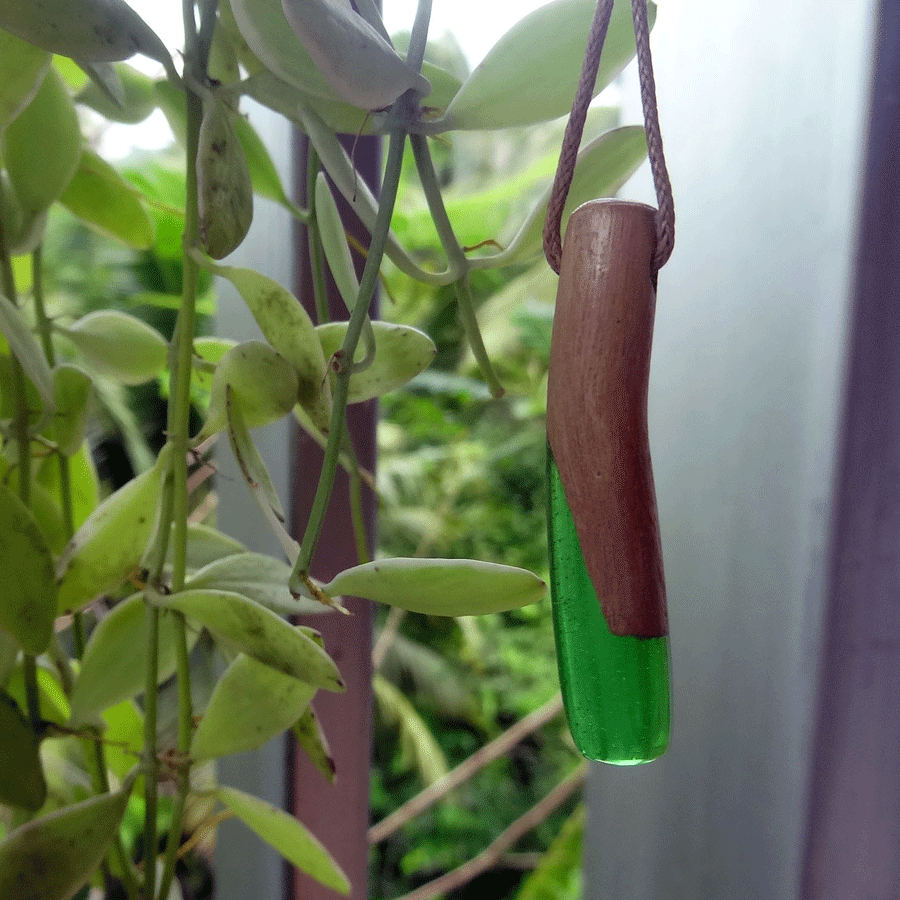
607 586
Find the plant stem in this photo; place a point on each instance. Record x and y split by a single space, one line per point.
402 112
179 415
23 441
367 285
456 258
151 764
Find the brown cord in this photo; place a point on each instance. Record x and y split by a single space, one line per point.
568 154
665 217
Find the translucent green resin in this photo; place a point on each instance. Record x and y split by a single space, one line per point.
615 689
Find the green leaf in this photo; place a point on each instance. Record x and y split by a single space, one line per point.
72 389
401 353
334 242
43 146
27 586
207 544
22 67
251 703
210 350
341 117
110 543
102 75
264 27
52 701
259 378
419 747
51 857
224 187
531 73
257 576
85 485
288 836
286 325
311 739
48 514
260 633
27 351
22 781
257 477
9 651
603 166
119 346
139 97
101 197
115 658
440 587
124 736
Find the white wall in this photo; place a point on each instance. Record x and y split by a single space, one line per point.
763 109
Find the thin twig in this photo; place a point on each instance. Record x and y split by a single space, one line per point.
489 857
465 770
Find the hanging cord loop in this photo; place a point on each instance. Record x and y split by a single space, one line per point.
665 217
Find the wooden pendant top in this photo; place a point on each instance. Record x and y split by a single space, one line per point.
597 408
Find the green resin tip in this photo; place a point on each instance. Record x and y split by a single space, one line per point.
615 689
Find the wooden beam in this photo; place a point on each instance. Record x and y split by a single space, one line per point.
337 814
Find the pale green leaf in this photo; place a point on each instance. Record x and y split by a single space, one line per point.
440 587
207 544
72 389
287 327
52 701
22 781
84 483
102 198
257 576
110 543
257 377
256 475
42 146
288 836
102 75
115 659
22 67
124 736
251 703
531 73
334 242
27 586
47 512
263 26
260 633
401 353
27 351
310 737
119 346
138 96
224 187
51 857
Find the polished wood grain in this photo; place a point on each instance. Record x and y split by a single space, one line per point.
597 408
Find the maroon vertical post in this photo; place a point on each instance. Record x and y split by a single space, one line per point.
853 831
337 814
